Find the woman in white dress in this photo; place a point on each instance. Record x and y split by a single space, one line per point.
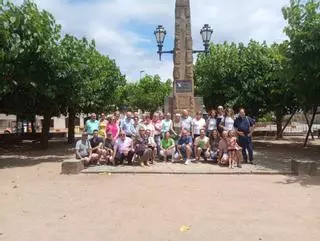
228 123
211 122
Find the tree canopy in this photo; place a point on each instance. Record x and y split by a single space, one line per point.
280 78
147 94
44 73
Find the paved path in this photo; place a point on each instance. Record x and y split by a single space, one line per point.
262 167
36 203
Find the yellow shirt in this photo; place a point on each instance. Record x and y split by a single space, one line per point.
102 128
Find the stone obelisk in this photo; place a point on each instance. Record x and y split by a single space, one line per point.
183 83
183 88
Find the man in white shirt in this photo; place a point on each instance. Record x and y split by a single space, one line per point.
198 123
123 149
186 121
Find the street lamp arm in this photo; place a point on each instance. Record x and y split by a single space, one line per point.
166 52
160 52
198 51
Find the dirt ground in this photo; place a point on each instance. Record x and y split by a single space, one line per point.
36 203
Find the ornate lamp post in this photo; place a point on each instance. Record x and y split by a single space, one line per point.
160 34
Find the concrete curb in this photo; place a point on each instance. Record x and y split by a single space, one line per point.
286 173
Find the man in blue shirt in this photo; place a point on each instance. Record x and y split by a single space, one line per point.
91 125
185 146
127 125
245 127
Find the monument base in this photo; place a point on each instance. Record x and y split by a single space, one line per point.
173 105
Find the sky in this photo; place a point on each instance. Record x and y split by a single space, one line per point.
123 29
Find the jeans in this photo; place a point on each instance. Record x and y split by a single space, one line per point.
157 140
246 144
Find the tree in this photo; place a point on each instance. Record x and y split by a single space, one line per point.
234 75
216 73
46 75
90 79
30 41
303 25
147 94
280 98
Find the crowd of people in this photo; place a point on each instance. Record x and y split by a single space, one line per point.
143 139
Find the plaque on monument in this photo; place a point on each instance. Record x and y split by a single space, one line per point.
183 86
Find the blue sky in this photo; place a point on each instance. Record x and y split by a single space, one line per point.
123 29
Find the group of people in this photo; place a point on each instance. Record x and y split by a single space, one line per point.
143 139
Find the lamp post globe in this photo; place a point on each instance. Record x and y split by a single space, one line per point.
206 33
160 34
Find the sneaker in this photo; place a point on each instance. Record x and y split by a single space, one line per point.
187 162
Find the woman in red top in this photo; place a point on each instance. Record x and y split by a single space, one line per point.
113 128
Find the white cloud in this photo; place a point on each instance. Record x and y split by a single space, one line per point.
110 23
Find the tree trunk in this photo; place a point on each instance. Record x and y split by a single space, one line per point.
71 125
307 120
33 125
310 125
45 131
279 118
287 123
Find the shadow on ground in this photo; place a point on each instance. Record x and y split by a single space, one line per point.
302 180
30 154
279 156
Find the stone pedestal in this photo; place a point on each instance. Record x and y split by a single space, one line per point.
183 85
72 166
304 168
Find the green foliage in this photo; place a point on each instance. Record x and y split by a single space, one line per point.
28 46
303 30
147 94
251 76
43 73
90 79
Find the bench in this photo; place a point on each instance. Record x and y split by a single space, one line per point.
72 166
304 168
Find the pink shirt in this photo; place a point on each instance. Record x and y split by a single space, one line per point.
123 146
157 127
232 142
113 128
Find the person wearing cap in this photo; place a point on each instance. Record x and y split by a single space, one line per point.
84 150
